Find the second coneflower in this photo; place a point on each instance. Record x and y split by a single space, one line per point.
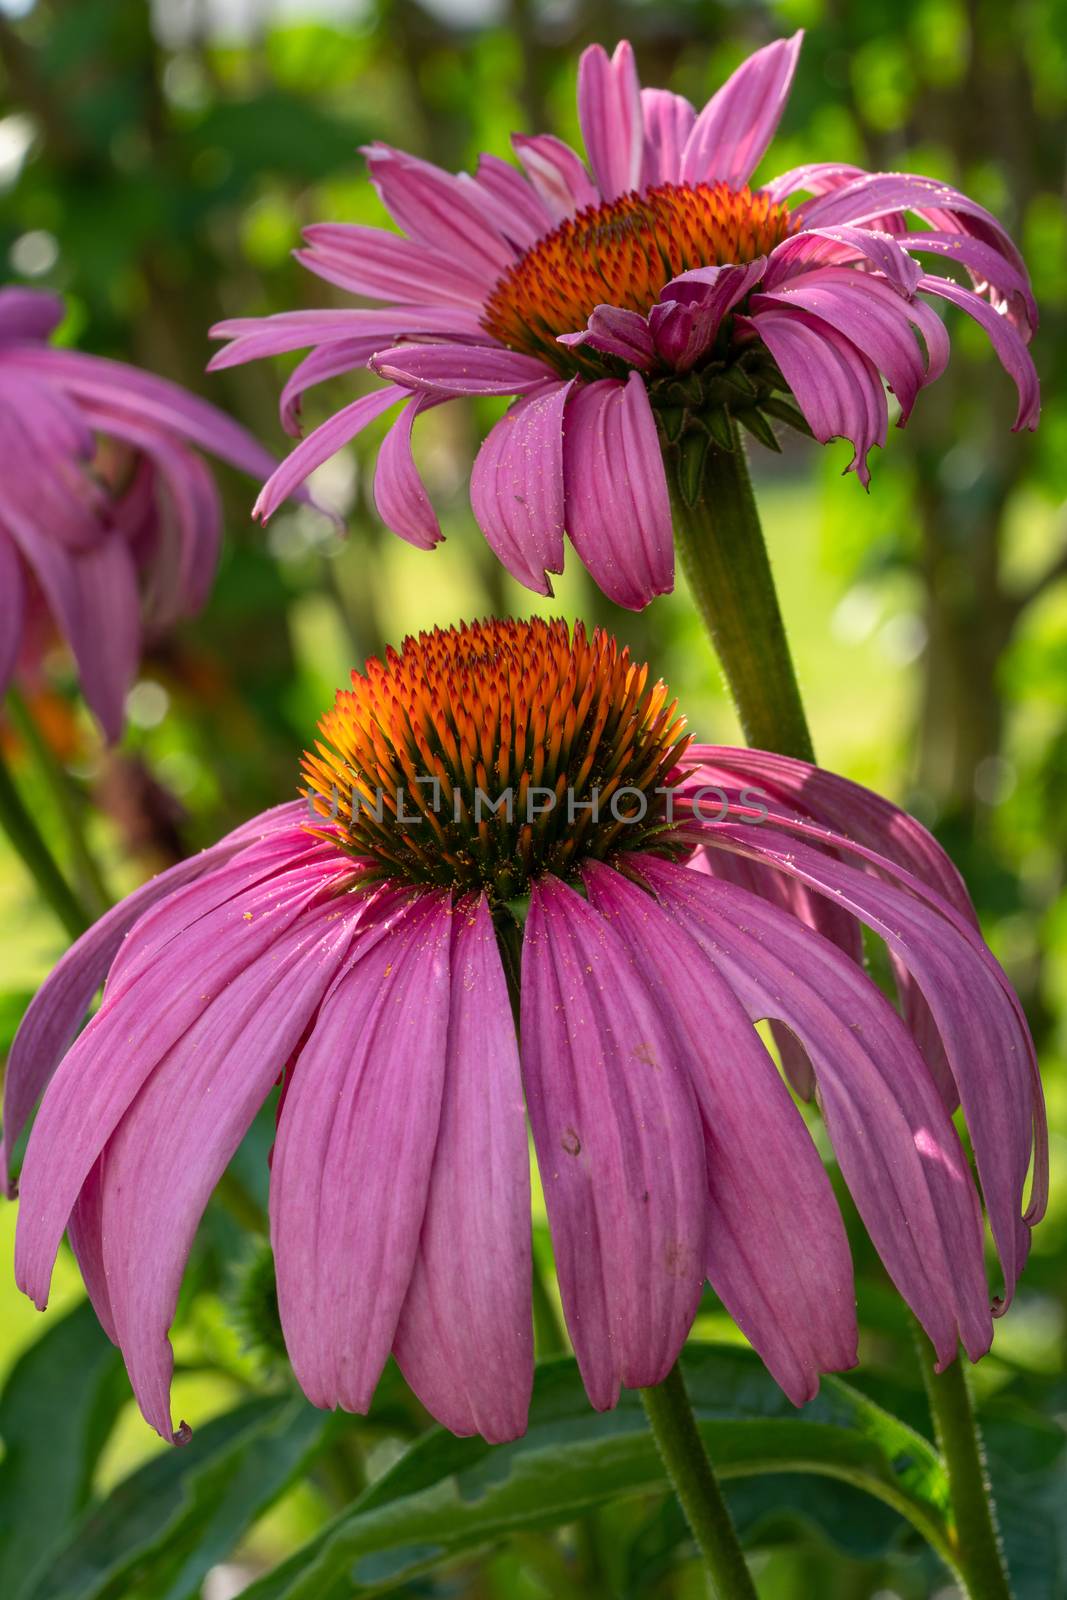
651 301
512 815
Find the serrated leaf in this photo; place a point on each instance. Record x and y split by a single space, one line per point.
447 1496
56 1413
160 1530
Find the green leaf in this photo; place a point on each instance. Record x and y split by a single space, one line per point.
447 1496
56 1412
157 1534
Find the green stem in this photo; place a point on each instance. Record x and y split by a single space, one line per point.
25 836
720 540
670 1416
724 557
979 1553
86 869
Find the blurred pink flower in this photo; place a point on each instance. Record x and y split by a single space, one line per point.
657 283
109 520
362 960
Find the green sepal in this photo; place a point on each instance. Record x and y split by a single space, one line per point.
692 455
672 420
787 412
717 422
757 424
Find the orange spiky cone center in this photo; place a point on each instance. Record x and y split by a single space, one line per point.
472 757
624 253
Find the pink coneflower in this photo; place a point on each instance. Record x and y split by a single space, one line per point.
625 305
370 959
109 519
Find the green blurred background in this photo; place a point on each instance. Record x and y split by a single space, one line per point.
156 166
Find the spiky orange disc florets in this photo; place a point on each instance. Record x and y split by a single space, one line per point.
623 253
480 755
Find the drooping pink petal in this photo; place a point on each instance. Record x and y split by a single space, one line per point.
58 1009
107 1065
731 134
819 247
400 496
617 332
988 269
518 211
985 1041
177 1138
869 314
253 338
30 314
178 580
12 601
692 306
668 119
153 400
517 487
386 266
609 110
465 1336
355 1150
776 1253
322 443
814 178
619 1145
897 1148
83 1235
330 360
455 369
436 209
871 197
109 650
557 173
1006 340
618 510
835 385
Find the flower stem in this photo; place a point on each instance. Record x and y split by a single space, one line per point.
87 872
980 1555
670 1416
719 537
24 834
724 557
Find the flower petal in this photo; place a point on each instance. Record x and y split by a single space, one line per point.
107 1065
777 1254
12 602
818 247
835 385
465 1336
619 1145
517 209
399 493
692 307
455 369
668 120
1006 340
731 134
866 311
28 313
609 110
179 1135
557 173
618 509
985 1040
436 209
386 266
517 487
617 332
893 1139
58 1009
322 443
355 1149
988 269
